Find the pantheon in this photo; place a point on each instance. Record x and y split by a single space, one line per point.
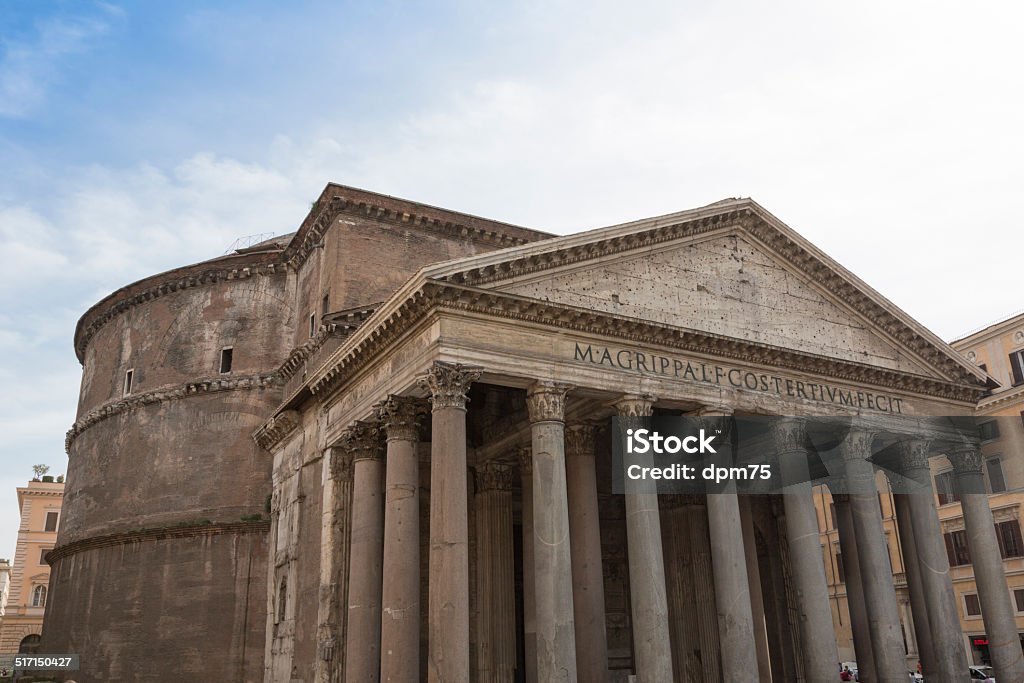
377 449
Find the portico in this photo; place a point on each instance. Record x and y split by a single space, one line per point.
483 531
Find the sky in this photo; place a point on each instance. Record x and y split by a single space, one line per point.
136 137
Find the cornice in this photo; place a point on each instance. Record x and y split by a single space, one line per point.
1002 399
156 534
195 388
339 325
746 216
433 295
396 212
276 429
237 267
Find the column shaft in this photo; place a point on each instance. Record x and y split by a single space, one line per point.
820 653
707 608
585 535
915 584
362 647
495 566
996 610
855 589
682 604
649 602
334 559
756 597
728 557
876 572
552 555
400 614
529 592
448 608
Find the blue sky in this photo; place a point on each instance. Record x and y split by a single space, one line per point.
135 137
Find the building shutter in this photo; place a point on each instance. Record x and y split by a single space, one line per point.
1015 368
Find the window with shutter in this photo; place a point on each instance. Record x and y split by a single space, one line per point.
1010 542
956 548
945 488
1017 367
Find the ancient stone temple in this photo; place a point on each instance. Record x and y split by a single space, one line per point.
377 449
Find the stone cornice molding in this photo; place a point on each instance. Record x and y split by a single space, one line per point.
449 383
276 429
156 534
338 325
546 401
235 267
1003 398
494 476
134 401
392 320
401 213
400 417
752 219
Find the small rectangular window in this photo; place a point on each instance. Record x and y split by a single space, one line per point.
972 606
51 521
996 480
226 355
989 430
1018 598
956 548
832 515
325 305
840 572
1017 367
128 376
312 324
42 554
1010 542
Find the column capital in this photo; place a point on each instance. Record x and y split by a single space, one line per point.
913 454
966 460
362 441
714 411
581 438
494 476
449 383
634 405
546 401
400 417
524 456
856 445
789 435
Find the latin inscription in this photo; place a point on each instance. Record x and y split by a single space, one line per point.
708 373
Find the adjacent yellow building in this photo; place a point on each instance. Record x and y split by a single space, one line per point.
40 505
999 350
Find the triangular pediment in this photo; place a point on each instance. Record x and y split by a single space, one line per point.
730 270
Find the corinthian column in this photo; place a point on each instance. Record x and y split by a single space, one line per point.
362 647
732 586
400 614
820 653
935 607
585 532
448 611
854 588
876 573
334 557
495 567
647 590
996 611
529 593
552 557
